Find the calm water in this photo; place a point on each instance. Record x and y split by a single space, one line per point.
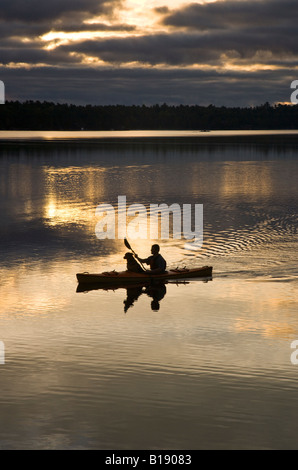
211 367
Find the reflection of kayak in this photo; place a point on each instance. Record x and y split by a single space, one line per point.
87 287
127 277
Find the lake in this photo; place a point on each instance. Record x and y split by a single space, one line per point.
205 364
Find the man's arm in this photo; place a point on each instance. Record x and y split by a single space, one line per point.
145 260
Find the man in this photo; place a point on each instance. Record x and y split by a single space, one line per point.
156 261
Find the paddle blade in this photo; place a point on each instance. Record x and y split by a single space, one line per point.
127 244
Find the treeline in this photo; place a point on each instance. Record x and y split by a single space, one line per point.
36 115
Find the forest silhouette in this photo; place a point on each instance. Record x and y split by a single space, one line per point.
37 115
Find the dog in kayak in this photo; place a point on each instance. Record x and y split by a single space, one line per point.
131 264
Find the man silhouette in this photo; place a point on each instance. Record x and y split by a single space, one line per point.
156 261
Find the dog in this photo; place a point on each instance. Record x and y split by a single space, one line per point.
131 264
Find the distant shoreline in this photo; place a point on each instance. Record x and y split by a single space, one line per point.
47 116
137 137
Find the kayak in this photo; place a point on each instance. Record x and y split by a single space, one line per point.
128 277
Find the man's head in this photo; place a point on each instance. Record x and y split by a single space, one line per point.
155 249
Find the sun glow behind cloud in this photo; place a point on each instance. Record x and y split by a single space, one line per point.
142 15
144 18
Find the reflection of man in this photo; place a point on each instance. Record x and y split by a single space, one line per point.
156 261
157 292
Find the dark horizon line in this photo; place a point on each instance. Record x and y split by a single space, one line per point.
143 105
15 115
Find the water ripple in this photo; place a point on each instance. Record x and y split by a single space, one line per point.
226 242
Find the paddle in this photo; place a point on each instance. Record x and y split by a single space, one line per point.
130 248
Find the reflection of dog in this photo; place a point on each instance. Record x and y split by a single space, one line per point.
132 264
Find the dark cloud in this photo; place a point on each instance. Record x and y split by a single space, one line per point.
241 32
153 49
34 55
185 49
233 14
31 19
19 30
81 85
264 31
37 10
162 10
92 27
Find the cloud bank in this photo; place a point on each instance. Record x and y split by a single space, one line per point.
91 51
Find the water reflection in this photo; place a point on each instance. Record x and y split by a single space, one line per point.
248 200
207 364
154 290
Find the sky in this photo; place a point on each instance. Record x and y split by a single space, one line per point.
100 52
